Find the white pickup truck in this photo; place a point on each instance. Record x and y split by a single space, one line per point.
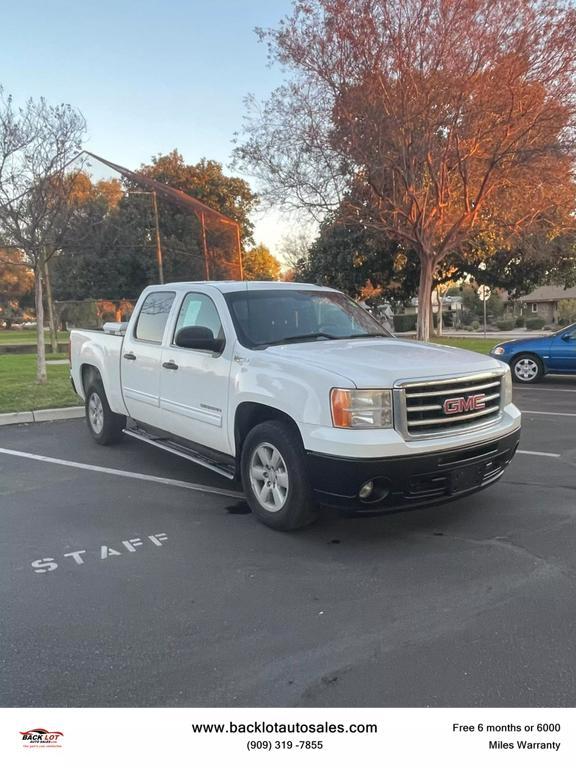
301 395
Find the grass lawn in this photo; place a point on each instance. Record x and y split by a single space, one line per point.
19 391
27 337
474 345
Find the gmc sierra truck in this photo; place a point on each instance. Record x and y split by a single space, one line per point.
301 395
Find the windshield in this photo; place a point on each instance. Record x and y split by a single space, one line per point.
570 329
265 317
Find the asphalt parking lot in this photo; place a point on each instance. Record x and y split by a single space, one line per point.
169 595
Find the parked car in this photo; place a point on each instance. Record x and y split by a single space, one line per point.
301 395
531 359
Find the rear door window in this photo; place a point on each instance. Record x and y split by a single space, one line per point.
154 316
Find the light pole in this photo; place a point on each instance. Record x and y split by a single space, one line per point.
159 259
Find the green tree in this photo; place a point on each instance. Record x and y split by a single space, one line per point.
110 252
206 181
182 235
359 261
105 253
259 264
472 304
16 283
535 259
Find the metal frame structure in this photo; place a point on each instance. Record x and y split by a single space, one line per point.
185 201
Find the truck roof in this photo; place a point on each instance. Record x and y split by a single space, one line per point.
228 286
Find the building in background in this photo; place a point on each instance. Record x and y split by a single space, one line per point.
550 302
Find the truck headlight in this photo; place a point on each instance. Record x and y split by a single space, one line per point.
506 390
361 408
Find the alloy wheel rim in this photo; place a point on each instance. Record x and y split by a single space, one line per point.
526 369
269 477
96 413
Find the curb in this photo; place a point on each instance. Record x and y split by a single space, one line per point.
49 414
492 335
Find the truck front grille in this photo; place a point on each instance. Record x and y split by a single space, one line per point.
433 407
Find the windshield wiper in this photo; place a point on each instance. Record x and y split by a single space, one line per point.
366 336
303 337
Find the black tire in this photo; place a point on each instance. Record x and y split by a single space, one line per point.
297 509
107 429
526 368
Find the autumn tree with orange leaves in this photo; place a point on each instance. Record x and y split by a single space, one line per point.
454 117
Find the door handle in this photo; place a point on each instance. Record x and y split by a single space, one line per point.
129 356
170 365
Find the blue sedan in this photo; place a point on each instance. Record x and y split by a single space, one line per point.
530 359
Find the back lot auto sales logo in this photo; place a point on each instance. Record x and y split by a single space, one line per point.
40 737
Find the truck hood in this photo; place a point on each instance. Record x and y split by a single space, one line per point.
373 363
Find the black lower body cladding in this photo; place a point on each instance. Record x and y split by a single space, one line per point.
392 484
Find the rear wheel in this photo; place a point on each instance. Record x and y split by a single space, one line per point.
274 477
104 425
526 369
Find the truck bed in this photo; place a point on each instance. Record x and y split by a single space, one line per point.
102 350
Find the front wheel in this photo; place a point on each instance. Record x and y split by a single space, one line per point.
274 477
526 369
104 425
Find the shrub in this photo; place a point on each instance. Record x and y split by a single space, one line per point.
467 317
567 311
78 314
475 325
519 322
404 323
535 323
505 325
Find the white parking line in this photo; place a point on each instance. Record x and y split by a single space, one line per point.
528 388
549 413
123 473
540 453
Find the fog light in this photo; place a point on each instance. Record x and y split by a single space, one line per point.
366 489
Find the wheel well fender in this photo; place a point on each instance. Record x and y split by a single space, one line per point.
89 374
250 414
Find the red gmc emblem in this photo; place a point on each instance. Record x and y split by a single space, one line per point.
464 404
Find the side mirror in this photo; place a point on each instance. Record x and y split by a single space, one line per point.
566 337
199 337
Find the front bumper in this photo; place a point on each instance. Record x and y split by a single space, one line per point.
406 482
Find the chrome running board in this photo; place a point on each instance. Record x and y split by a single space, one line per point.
179 450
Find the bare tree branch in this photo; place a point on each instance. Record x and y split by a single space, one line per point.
38 143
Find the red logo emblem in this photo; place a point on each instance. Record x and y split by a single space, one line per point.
40 737
464 404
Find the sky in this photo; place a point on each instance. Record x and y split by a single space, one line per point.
149 76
